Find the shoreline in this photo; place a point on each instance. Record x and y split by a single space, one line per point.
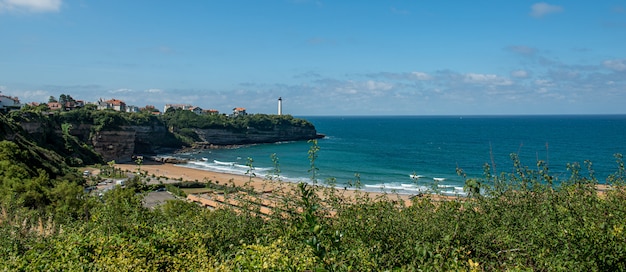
259 184
444 187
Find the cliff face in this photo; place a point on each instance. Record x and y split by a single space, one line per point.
252 135
118 145
151 139
122 143
32 127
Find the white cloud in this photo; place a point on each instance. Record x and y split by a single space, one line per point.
34 95
410 76
154 91
487 79
616 64
346 90
544 83
520 74
376 85
191 99
353 87
30 5
538 10
121 91
421 76
26 96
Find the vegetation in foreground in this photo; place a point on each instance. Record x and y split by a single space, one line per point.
512 221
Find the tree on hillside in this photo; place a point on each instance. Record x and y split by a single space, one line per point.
149 108
64 98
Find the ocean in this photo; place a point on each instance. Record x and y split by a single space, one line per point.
383 151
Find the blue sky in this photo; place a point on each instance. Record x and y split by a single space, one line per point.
321 57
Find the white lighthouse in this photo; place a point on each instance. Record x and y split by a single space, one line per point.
280 106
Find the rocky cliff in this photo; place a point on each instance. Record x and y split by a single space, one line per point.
254 136
116 145
122 143
119 144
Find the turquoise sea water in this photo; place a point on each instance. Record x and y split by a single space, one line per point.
384 151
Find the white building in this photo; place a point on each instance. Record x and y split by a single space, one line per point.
8 103
177 106
239 112
114 104
132 108
196 110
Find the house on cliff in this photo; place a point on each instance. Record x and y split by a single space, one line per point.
67 106
194 109
8 103
211 111
54 106
132 109
150 108
114 104
177 106
238 112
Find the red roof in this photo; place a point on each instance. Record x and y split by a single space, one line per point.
116 102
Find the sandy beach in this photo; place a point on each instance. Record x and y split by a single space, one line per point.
174 171
259 184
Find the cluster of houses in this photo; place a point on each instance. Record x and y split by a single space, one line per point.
113 104
199 110
195 109
8 103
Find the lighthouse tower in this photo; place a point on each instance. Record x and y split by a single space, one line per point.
280 106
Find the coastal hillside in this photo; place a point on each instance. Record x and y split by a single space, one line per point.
87 135
216 129
34 178
20 148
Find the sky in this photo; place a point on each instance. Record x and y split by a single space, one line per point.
484 57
